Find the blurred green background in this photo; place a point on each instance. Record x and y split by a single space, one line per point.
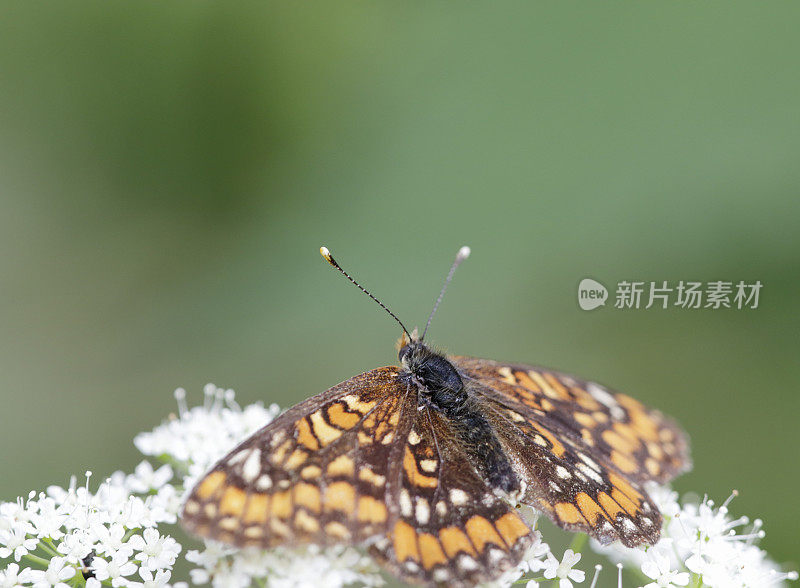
168 172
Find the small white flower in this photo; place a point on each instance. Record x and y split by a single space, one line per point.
114 569
11 577
50 518
15 541
148 581
658 568
15 514
145 478
109 540
154 550
75 546
563 569
54 576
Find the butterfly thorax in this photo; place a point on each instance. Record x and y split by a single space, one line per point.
442 388
436 378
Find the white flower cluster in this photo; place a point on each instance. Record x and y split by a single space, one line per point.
699 544
199 436
71 538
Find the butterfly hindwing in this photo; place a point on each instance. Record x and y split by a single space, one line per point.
450 527
316 474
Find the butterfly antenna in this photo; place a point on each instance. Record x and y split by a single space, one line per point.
462 254
329 258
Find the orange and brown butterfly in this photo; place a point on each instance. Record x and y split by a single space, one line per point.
422 463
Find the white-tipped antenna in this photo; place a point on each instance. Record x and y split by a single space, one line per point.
462 254
329 258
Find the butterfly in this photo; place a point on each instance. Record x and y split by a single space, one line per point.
423 464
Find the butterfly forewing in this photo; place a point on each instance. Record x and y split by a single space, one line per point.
581 449
451 528
316 474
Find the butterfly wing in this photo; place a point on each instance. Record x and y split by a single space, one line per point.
449 527
583 450
316 474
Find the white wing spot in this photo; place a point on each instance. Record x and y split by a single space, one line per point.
278 438
441 575
191 507
458 497
589 461
423 511
590 472
441 508
264 483
428 465
414 438
562 473
603 397
252 465
555 486
539 440
628 524
405 503
467 563
238 457
495 555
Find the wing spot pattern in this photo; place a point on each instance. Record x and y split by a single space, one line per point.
623 462
232 501
340 496
210 485
454 541
431 551
405 542
281 504
624 501
337 530
590 509
324 432
609 505
256 509
295 460
511 528
481 532
308 496
339 417
367 475
413 473
341 466
305 435
371 510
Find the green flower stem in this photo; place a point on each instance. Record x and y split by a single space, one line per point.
46 544
526 580
128 534
37 560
